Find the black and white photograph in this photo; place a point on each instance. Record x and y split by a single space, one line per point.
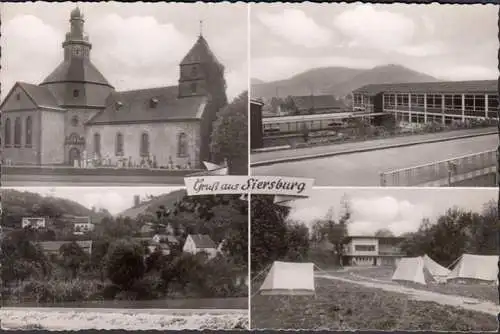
122 93
376 259
375 94
127 258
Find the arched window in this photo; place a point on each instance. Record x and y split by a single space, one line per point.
144 147
182 149
17 132
119 144
97 144
29 129
7 133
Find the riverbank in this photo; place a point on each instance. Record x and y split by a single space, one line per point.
124 319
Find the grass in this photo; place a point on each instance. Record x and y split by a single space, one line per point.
345 306
485 292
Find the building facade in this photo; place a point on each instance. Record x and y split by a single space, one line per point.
440 102
34 222
372 251
76 117
200 243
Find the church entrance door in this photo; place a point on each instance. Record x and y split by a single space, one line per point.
74 155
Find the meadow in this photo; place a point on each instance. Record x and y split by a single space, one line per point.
346 306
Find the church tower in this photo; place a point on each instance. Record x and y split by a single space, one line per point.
76 44
76 82
201 74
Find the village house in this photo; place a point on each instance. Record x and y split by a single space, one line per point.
198 243
164 238
316 104
34 222
53 247
82 225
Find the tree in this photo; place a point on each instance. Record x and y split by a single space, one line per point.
384 233
334 231
289 106
73 257
229 138
125 263
268 231
297 240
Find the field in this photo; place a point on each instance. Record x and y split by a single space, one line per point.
340 305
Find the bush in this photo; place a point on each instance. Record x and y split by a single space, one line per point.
125 263
58 291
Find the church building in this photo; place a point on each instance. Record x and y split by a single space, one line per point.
75 117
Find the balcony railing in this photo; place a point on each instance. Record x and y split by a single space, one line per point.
440 170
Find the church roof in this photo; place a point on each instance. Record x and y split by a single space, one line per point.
39 95
150 105
199 53
77 70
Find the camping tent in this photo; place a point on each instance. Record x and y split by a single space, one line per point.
411 269
435 268
420 270
477 267
289 278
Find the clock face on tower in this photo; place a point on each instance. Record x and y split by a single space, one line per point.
77 51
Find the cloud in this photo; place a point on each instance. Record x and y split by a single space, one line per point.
28 38
372 214
380 29
296 27
465 72
422 50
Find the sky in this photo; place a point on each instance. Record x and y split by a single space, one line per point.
449 42
400 210
136 45
114 199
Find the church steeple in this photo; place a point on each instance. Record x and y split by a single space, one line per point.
200 71
76 44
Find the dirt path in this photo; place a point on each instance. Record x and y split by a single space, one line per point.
471 304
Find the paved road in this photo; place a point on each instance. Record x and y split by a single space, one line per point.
89 180
363 169
371 144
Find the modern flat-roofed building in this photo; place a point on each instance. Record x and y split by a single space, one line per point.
372 251
442 102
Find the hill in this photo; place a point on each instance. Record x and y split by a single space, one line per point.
338 81
152 205
17 204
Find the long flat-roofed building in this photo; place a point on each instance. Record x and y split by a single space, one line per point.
442 102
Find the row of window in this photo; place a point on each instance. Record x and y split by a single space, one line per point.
434 101
144 146
28 129
364 248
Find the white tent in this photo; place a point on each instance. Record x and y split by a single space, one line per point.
289 278
435 268
410 269
479 267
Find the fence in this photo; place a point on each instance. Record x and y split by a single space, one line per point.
441 170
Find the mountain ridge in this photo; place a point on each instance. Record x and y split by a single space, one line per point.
335 80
